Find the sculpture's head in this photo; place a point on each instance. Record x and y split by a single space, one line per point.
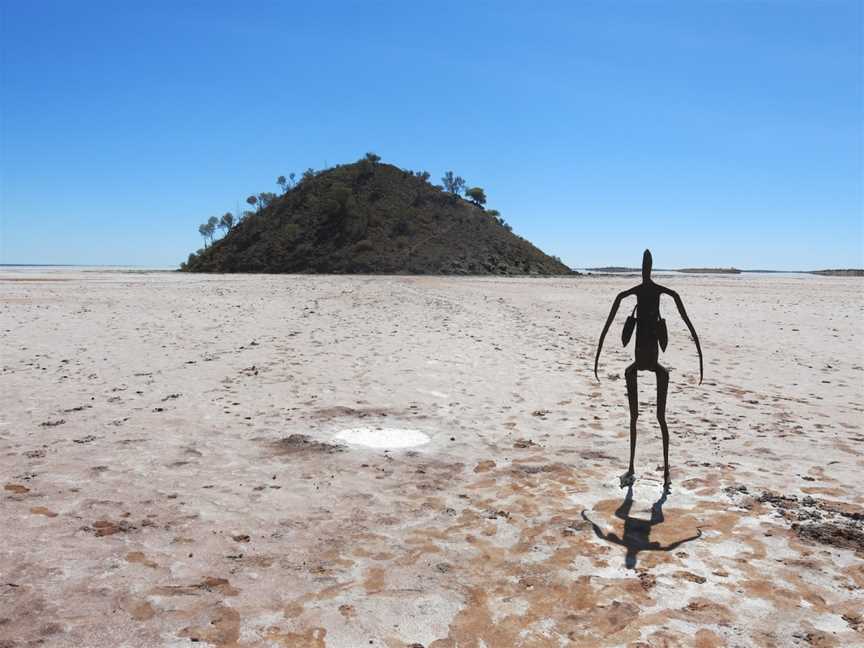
646 265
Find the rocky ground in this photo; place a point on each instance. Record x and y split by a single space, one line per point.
171 473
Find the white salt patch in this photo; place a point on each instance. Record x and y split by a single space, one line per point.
383 437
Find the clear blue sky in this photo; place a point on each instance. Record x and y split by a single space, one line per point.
715 133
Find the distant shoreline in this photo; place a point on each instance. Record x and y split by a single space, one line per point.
90 266
614 269
847 272
710 270
610 270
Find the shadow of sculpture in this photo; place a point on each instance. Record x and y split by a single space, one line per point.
637 531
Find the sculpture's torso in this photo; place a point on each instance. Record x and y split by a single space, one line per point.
647 314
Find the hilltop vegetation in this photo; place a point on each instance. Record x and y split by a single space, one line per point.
369 217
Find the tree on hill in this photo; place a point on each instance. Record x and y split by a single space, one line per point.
266 198
227 221
476 195
453 183
204 232
253 200
282 181
373 158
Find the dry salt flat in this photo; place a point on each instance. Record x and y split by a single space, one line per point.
315 461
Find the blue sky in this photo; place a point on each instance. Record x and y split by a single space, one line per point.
715 133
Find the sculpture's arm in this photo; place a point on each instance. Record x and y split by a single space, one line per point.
677 544
689 324
609 320
609 537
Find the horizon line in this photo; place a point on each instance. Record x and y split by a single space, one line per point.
593 269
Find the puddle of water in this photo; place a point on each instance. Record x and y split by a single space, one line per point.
383 437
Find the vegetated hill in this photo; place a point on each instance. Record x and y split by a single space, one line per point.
370 217
614 269
844 272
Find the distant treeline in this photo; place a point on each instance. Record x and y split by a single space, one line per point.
450 182
848 272
711 270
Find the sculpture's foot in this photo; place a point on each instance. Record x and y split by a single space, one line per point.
627 479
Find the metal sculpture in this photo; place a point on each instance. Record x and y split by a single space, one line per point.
650 337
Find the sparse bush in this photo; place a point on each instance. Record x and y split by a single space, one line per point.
367 168
340 193
371 157
476 195
189 261
265 199
453 183
286 235
208 229
226 222
204 232
402 227
355 223
336 200
364 245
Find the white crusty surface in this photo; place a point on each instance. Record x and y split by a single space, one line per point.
170 473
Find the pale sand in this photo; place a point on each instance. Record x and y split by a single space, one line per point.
153 493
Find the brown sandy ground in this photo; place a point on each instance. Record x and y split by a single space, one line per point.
169 477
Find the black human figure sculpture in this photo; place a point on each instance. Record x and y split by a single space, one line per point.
650 334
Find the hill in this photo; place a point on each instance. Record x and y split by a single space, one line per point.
370 217
614 269
847 272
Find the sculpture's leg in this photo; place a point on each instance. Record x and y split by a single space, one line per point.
628 478
662 390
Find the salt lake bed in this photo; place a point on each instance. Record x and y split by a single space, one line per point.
265 460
